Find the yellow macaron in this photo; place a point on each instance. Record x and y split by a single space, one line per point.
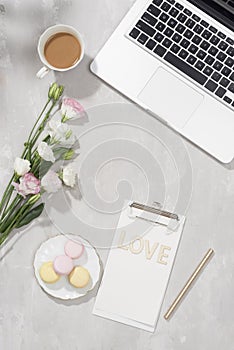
47 273
79 277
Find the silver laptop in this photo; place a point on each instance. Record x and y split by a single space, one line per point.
175 58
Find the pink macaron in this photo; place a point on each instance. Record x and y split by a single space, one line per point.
63 265
74 249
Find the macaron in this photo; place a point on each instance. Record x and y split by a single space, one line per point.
63 265
47 272
79 277
74 249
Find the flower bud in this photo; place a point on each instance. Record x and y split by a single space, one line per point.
34 199
52 90
58 92
68 134
69 154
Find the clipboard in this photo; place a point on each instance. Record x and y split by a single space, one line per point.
154 215
138 267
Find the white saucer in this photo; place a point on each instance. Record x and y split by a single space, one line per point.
63 289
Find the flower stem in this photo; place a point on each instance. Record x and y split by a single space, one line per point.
6 193
41 127
34 126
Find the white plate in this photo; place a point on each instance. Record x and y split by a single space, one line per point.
63 289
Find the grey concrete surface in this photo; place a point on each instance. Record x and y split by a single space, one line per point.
30 319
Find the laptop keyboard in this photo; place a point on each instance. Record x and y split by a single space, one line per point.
195 47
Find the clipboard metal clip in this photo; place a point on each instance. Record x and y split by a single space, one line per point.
147 213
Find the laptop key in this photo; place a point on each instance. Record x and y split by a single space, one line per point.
167 42
198 29
213 29
179 6
204 24
221 35
221 56
158 37
185 43
188 34
196 18
142 38
175 48
201 54
230 41
227 99
218 65
214 40
187 12
208 70
190 23
150 44
191 59
157 2
230 51
168 32
205 45
159 50
229 62
180 28
224 82
232 77
231 87
160 26
173 12
206 34
226 71
222 45
200 65
165 6
176 37
182 18
185 68
216 76
145 28
149 19
193 48
211 85
164 17
134 33
220 92
154 10
209 60
171 1
172 23
196 39
183 53
213 50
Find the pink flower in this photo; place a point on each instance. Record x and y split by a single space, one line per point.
29 184
71 108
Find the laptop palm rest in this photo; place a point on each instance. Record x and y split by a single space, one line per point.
170 98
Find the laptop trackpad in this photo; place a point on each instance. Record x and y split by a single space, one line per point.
170 98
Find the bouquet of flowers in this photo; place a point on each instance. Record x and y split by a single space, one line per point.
50 140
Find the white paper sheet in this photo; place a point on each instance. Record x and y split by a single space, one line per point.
137 271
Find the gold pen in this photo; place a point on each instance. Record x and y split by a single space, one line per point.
189 283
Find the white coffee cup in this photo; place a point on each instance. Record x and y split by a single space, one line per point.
48 33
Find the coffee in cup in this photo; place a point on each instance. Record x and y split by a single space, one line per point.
60 48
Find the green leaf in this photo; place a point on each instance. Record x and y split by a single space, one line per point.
31 215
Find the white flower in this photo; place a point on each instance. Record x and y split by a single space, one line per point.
51 182
69 175
71 109
60 133
45 152
21 166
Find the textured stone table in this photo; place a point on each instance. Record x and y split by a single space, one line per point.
29 319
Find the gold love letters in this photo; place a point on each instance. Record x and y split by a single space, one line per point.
139 244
